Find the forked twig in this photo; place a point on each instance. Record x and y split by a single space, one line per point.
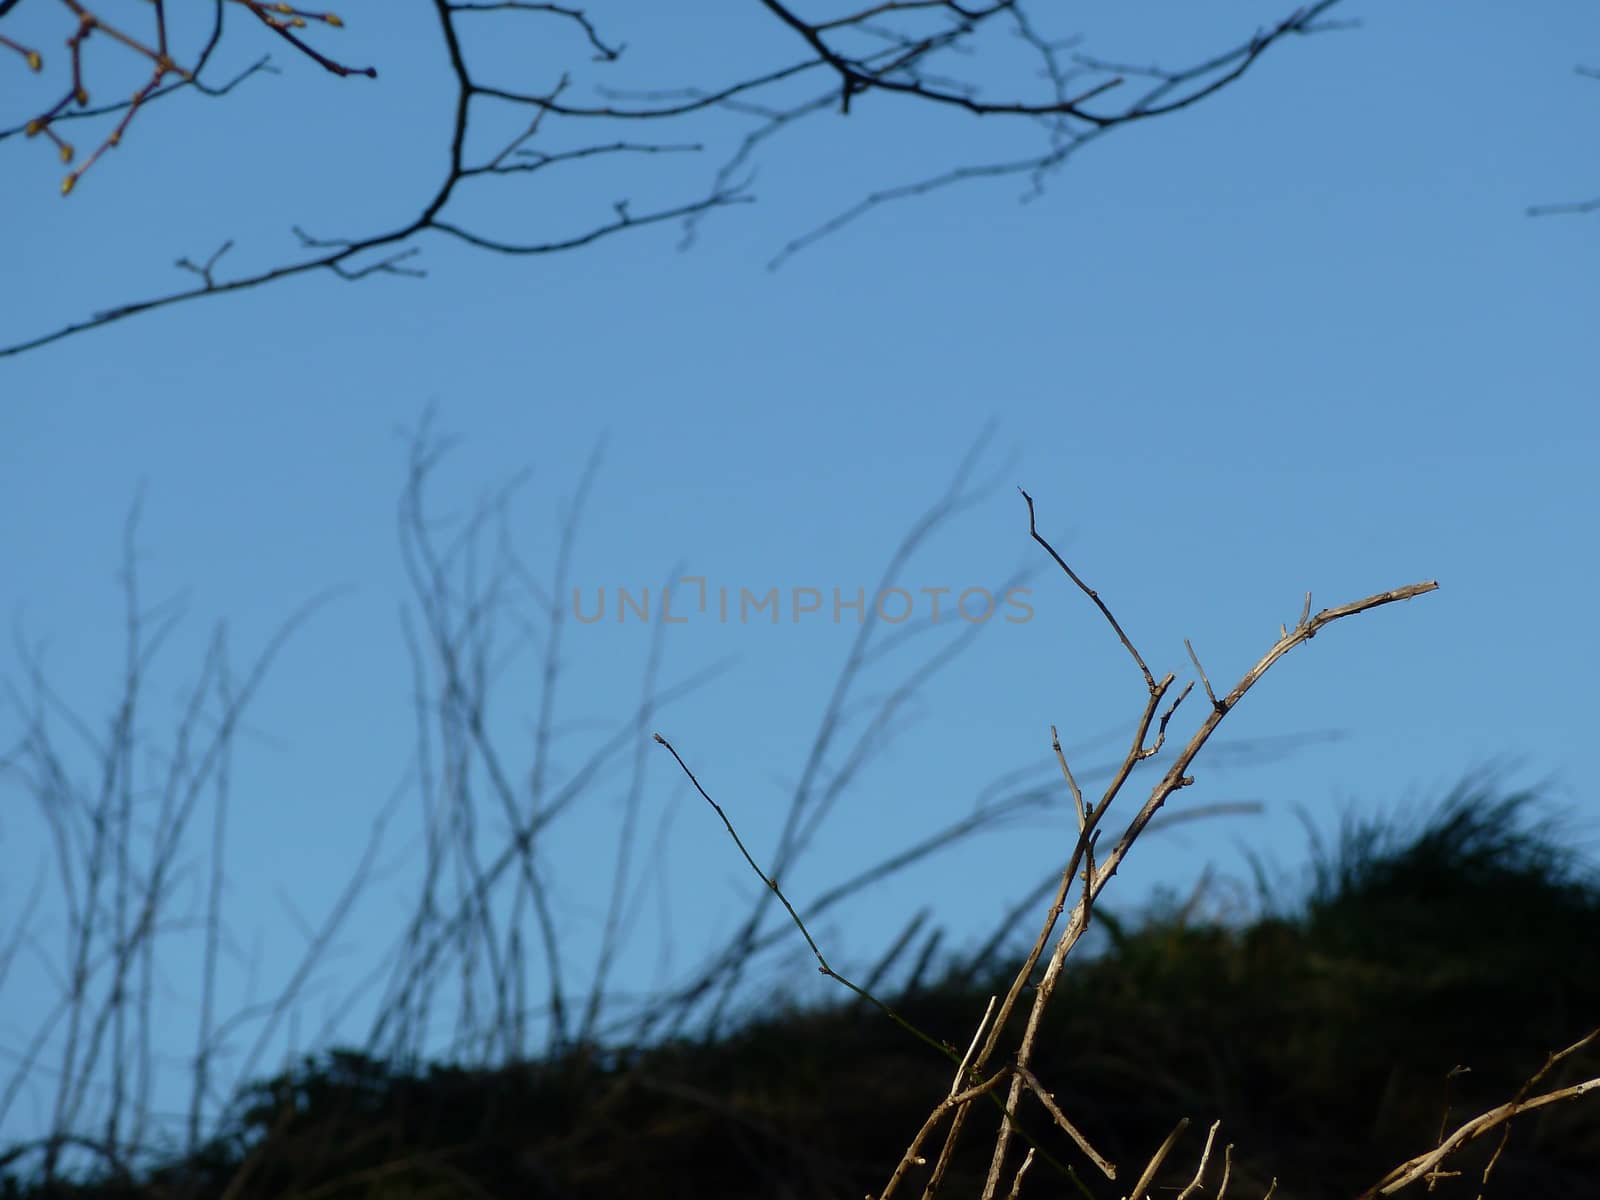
1205 1161
1424 1165
1089 818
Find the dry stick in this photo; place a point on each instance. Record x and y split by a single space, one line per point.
1159 1157
1107 1168
1227 1170
1072 784
1023 975
1137 752
960 1100
1205 1159
772 884
1409 1172
1037 894
1091 820
916 852
1174 779
1080 922
911 1157
955 1100
1016 1184
1528 1085
961 1067
1201 671
1444 1117
1425 1164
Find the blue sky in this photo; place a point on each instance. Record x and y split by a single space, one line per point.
1299 337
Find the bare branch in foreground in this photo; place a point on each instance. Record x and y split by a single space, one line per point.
1081 862
1425 1165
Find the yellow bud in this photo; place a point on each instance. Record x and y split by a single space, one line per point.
33 128
81 96
298 22
65 152
69 183
333 19
115 139
34 60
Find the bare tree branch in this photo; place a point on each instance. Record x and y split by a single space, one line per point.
901 50
1571 208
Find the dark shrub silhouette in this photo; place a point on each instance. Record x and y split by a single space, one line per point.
1327 1034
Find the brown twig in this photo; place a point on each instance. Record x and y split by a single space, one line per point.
281 18
1426 1165
1160 1156
1205 1160
1107 1168
1096 878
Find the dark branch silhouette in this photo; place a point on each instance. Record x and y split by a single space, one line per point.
901 51
1572 207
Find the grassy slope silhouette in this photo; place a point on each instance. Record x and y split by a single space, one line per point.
1327 1032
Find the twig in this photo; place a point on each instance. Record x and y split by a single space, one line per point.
907 67
1160 1156
1205 1159
772 886
1423 1165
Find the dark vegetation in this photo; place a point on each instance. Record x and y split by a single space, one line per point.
1419 977
1422 975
